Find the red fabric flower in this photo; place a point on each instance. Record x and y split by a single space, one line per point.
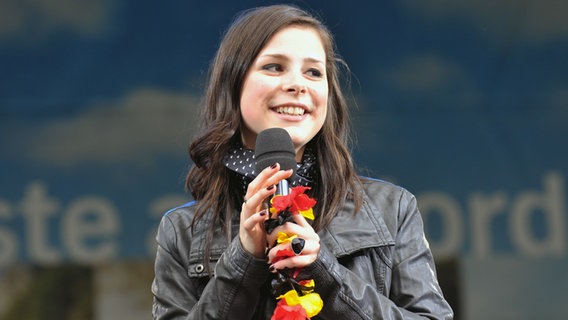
285 312
295 201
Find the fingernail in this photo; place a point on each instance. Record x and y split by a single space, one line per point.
262 213
270 187
271 268
273 166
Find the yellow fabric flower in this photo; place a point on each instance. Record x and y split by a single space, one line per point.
308 214
311 302
283 237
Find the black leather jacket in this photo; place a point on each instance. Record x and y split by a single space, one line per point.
375 265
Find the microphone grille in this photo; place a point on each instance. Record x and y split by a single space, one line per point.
274 145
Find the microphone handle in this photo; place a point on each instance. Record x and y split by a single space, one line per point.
283 188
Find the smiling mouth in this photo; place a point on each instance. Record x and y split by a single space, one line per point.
293 111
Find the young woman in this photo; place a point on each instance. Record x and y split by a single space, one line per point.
365 248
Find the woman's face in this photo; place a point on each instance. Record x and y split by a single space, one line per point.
286 87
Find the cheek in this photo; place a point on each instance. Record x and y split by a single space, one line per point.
323 99
322 94
247 113
248 90
323 108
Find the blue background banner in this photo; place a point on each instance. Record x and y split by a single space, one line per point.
463 103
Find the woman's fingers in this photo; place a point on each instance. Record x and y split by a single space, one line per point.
262 187
251 230
283 255
254 220
252 235
254 201
303 231
270 176
294 253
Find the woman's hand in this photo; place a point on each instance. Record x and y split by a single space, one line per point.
306 256
253 215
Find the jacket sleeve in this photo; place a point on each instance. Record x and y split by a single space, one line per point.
232 293
414 291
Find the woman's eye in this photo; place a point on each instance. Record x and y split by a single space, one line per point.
272 67
315 73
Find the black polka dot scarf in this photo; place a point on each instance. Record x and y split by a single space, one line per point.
242 162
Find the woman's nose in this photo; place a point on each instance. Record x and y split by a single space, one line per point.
293 82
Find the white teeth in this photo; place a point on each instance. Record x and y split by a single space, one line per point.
294 111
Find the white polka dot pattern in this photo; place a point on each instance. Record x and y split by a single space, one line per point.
242 161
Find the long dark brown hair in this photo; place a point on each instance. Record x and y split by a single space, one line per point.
208 180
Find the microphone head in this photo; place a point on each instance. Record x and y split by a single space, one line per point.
274 145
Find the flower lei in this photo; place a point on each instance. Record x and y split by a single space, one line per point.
297 298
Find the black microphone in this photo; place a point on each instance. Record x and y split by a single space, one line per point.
274 145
